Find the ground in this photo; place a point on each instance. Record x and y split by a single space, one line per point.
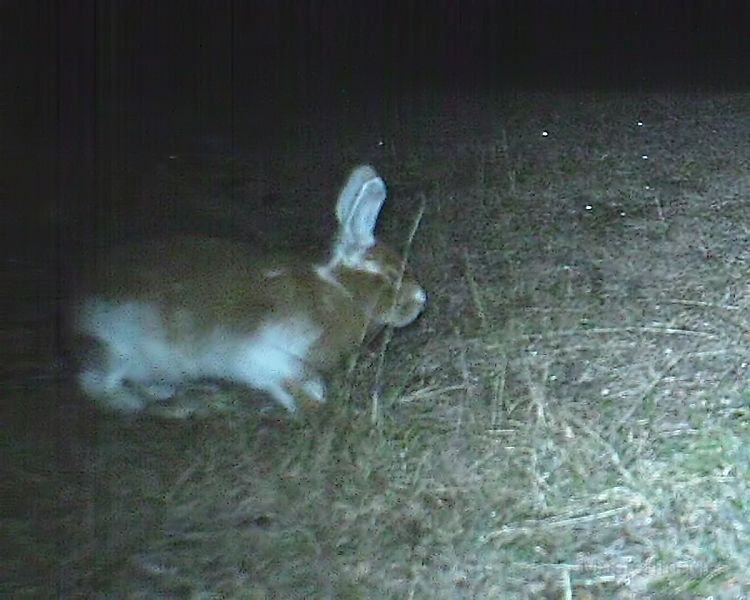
570 417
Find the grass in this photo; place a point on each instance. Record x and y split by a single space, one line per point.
569 419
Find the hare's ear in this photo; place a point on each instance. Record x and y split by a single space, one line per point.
357 211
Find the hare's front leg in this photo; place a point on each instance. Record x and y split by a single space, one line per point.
306 388
281 374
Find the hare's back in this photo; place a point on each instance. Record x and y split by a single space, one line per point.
147 268
202 281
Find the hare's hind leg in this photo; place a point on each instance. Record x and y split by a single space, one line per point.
102 378
109 391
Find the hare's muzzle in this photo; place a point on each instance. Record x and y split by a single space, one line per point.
409 305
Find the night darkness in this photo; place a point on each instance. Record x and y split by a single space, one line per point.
212 54
72 69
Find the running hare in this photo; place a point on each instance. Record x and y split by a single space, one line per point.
160 314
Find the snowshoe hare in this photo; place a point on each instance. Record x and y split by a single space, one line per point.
161 314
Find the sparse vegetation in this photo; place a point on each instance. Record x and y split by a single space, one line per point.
569 419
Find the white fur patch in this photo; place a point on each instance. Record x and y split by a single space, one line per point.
276 354
139 352
135 337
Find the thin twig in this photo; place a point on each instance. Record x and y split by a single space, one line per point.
567 588
701 304
612 331
609 449
534 526
375 405
474 291
498 393
645 393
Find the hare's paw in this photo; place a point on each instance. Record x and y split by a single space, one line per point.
308 391
109 390
312 389
282 396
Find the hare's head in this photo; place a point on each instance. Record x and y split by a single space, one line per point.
371 272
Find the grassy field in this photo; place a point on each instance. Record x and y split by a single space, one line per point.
570 417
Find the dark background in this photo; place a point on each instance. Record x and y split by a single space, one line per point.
72 69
